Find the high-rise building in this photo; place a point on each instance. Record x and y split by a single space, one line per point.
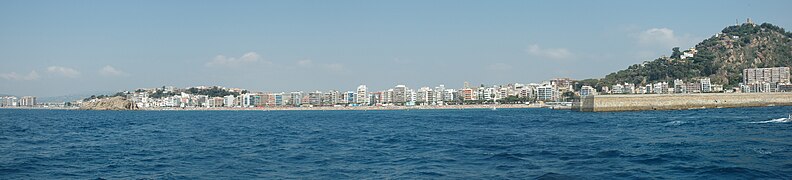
296 98
28 101
468 95
448 95
546 93
660 88
706 86
362 95
229 101
771 75
679 86
315 98
400 94
9 101
562 84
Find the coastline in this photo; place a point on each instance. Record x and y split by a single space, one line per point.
320 108
345 108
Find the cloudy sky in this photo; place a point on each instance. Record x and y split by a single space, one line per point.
51 48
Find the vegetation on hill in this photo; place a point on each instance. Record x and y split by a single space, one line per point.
211 92
119 94
721 58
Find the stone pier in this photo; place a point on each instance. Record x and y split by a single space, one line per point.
640 102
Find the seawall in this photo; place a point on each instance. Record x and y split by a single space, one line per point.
640 102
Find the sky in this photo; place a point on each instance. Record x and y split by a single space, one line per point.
54 48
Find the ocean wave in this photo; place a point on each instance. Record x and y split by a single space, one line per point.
676 123
779 120
609 154
507 157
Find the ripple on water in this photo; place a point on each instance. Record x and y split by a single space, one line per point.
453 144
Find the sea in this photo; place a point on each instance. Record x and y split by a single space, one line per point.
732 143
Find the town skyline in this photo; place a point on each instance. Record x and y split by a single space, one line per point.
64 48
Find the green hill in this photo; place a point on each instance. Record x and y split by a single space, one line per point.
721 57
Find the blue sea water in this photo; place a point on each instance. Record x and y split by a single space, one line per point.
739 143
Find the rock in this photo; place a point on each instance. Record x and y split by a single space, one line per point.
113 103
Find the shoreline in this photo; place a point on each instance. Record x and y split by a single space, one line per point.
320 108
344 108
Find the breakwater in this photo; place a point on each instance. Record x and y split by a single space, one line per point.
640 102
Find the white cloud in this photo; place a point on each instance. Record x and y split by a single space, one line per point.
551 53
221 60
111 71
64 71
33 75
665 38
305 63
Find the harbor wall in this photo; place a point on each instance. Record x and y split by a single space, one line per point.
640 102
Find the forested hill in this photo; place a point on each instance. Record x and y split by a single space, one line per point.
721 57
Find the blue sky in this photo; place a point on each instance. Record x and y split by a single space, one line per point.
51 48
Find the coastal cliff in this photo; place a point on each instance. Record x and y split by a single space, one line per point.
113 103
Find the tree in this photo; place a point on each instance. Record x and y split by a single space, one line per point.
675 53
569 95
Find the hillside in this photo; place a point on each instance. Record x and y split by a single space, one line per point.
721 57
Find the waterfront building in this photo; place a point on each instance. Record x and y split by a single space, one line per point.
348 97
28 101
9 101
587 91
410 100
706 86
617 89
769 75
277 99
502 93
480 93
424 96
296 98
215 102
440 94
200 100
362 95
642 90
717 88
660 88
387 96
488 94
449 95
376 98
467 94
247 100
315 98
546 93
679 86
692 87
399 94
329 98
784 87
229 101
562 84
